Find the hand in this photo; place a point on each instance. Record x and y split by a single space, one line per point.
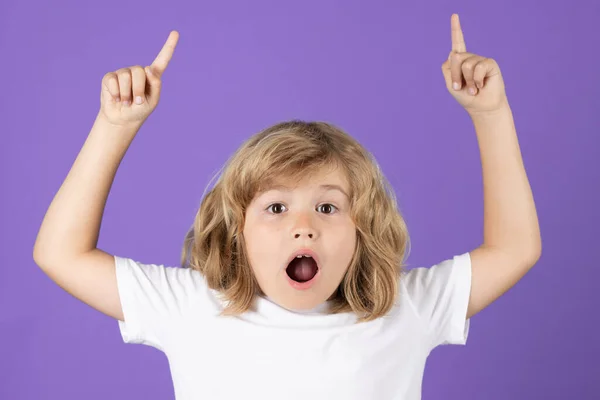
121 88
473 72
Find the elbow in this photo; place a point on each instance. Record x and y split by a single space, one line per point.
38 255
528 255
536 250
532 254
41 255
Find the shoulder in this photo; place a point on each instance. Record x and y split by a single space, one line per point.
438 288
415 280
141 270
159 301
170 284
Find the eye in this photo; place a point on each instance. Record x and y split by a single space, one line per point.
273 205
329 208
327 205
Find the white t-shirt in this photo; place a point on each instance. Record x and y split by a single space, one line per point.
274 353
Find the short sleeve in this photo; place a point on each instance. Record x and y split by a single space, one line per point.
154 299
440 296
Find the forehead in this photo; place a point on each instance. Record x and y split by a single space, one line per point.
322 179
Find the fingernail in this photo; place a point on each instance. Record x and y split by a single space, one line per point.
138 100
456 85
472 91
118 99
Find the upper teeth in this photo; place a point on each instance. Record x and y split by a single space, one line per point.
302 255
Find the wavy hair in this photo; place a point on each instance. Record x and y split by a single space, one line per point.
215 246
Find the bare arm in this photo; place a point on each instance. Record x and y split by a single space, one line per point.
65 247
72 222
512 242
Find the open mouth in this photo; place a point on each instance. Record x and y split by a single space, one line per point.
302 269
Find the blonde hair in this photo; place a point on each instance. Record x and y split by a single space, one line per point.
293 149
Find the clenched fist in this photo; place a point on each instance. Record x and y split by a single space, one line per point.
129 95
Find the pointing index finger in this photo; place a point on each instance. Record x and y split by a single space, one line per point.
458 41
161 61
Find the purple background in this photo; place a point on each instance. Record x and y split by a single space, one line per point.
373 68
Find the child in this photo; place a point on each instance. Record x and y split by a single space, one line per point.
293 285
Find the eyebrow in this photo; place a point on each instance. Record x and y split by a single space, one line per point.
330 186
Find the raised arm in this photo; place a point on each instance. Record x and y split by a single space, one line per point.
512 242
66 244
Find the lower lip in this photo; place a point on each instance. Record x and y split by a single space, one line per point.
302 285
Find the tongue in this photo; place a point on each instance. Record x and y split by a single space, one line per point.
302 269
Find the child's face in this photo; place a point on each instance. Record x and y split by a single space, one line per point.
279 222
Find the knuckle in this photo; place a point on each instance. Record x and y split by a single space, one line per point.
139 78
124 73
108 77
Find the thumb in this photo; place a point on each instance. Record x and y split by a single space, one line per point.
154 82
447 75
152 76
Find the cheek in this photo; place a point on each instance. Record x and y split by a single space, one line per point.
264 230
347 232
261 244
343 242
350 245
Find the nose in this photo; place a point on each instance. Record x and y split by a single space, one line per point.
303 227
